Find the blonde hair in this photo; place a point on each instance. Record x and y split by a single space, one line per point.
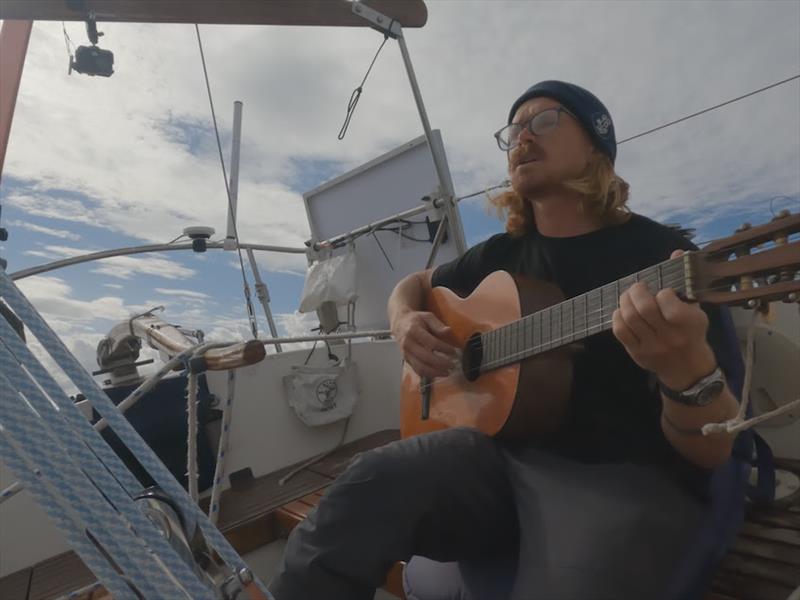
605 195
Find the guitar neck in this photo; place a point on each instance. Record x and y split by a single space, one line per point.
574 319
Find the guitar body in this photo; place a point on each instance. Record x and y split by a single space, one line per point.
514 401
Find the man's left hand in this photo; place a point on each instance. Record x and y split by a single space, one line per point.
664 335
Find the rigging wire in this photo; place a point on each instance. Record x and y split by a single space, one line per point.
67 40
709 109
356 95
248 300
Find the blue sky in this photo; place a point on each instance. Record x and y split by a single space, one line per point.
98 163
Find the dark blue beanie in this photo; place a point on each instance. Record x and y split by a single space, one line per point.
590 112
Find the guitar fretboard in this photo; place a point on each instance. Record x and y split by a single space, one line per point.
573 319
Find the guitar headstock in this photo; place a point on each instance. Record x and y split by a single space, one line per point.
752 267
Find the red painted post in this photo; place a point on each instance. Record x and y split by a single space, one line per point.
14 38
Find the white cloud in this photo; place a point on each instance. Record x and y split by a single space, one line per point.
113 286
52 296
59 233
40 254
156 102
135 153
48 204
186 294
125 267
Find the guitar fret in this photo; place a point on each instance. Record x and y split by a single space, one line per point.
571 326
600 323
611 302
545 328
586 314
572 319
528 335
557 314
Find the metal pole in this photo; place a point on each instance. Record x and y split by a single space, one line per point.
263 296
438 162
230 237
411 212
437 241
378 333
76 260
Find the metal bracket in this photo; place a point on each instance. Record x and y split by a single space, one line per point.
91 29
386 25
147 313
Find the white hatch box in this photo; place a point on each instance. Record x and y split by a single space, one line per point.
394 182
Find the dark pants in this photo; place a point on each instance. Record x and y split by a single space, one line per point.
589 531
444 495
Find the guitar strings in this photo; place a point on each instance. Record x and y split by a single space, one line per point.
512 329
668 279
667 282
557 341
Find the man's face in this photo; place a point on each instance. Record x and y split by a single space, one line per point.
539 163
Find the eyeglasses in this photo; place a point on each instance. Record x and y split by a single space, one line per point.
540 124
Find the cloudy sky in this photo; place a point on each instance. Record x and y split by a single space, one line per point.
96 163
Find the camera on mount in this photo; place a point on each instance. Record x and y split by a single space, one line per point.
91 60
199 236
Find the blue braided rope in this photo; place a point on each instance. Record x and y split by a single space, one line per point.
80 467
68 411
53 493
141 451
85 432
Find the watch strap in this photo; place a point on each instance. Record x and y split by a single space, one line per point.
690 395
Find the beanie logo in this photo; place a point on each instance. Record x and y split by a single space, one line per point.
602 124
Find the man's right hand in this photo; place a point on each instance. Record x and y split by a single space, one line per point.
424 343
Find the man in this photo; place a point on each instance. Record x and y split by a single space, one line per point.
605 502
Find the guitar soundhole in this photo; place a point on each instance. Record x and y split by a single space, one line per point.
472 357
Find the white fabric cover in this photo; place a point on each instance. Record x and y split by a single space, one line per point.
331 280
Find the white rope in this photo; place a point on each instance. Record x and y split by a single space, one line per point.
219 470
191 439
739 423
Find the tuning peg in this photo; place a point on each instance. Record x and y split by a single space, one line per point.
743 227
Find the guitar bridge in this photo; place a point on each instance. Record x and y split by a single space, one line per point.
472 357
425 395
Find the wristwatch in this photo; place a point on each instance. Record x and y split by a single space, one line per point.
701 393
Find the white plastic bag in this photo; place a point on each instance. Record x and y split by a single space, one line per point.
331 280
322 395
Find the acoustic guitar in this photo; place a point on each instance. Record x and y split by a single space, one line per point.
517 334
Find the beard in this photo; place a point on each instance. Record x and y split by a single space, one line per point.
540 178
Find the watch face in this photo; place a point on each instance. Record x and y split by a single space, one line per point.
708 393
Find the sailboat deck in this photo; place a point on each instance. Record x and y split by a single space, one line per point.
764 564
